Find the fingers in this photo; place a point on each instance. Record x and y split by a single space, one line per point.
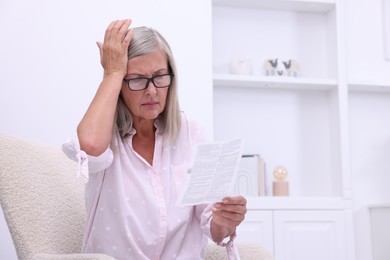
114 49
230 212
124 30
116 32
232 204
229 220
100 46
127 39
107 35
240 200
230 215
239 209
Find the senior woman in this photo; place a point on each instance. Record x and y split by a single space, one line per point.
133 145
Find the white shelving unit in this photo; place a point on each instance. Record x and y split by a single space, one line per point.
298 122
299 116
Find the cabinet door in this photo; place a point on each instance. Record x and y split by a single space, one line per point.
309 234
257 228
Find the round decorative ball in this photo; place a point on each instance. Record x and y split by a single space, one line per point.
280 173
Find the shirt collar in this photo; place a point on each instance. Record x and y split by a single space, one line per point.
157 123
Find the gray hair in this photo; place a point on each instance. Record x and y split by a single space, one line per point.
144 41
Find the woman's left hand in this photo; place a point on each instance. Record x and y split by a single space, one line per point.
227 215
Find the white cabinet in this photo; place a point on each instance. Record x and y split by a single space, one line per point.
257 228
309 234
297 234
380 231
297 229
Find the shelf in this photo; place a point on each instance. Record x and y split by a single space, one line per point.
379 206
322 6
369 86
273 82
297 203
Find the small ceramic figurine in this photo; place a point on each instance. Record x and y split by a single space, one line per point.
280 185
240 66
271 67
291 68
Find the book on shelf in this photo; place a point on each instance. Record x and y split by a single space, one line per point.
251 176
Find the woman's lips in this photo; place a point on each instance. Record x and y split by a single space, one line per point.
149 104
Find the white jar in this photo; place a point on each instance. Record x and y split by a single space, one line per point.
240 66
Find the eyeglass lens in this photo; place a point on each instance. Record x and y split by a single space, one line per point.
160 81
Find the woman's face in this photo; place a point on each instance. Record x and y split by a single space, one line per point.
150 102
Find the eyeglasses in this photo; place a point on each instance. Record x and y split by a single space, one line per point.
159 81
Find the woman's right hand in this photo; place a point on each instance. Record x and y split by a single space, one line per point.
114 50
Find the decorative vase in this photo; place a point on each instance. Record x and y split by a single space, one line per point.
240 66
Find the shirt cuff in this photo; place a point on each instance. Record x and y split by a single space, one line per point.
86 163
230 248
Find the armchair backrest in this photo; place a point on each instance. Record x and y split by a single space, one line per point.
42 200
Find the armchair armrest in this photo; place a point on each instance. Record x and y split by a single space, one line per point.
44 256
246 251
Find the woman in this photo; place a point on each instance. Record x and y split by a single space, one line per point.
135 144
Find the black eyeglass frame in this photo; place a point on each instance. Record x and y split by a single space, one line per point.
148 80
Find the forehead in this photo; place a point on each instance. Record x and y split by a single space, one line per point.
151 62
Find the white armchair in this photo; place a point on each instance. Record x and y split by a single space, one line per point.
43 204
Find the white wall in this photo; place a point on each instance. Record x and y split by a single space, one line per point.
50 69
369 116
365 41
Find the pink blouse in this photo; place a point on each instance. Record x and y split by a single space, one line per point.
131 205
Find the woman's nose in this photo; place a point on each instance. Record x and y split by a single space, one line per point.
151 89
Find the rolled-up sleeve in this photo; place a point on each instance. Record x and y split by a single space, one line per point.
205 213
87 164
